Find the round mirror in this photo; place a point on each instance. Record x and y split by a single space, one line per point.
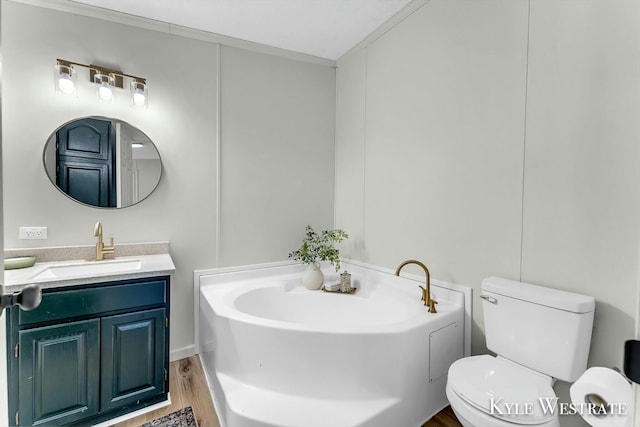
102 162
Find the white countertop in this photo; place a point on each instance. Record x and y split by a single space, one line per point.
149 265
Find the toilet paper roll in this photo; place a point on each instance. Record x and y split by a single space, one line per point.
607 387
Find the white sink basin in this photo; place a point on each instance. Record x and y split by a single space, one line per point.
88 268
49 274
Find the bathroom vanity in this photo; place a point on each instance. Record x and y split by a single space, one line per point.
96 348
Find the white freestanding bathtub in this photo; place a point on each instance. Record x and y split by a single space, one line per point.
277 354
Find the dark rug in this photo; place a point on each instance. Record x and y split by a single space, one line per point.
181 418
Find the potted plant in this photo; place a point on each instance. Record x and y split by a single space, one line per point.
315 248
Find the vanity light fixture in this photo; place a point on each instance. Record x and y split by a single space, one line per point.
137 144
65 77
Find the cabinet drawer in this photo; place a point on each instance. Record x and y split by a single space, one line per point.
57 305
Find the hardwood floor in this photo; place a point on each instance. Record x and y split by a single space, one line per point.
444 418
188 387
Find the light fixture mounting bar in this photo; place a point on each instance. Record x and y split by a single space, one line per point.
96 69
118 81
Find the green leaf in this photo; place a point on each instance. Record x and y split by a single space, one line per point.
320 247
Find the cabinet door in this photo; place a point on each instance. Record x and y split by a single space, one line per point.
86 161
86 181
58 373
87 139
133 358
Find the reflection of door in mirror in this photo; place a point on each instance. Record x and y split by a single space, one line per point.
137 170
102 162
85 161
126 185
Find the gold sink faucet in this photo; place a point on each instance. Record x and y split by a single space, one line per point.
101 249
426 292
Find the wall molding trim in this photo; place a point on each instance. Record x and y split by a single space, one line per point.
69 6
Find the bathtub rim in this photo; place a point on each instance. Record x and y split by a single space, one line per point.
285 267
224 308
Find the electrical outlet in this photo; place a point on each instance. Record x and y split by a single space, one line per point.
33 233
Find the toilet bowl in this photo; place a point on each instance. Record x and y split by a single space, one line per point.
490 391
539 334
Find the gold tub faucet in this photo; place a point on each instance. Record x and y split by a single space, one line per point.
426 291
101 249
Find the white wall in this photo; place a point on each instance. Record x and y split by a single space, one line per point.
182 121
277 146
581 200
581 207
499 137
351 92
439 148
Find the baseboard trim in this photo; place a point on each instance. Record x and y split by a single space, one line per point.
182 353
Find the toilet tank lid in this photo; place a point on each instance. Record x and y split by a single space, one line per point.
550 297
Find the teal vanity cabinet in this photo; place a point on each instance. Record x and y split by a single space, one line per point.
89 353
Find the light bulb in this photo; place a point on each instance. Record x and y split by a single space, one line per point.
104 92
105 84
65 84
139 98
64 79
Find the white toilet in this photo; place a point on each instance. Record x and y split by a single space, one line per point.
539 334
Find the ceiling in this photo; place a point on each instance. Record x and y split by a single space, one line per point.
323 28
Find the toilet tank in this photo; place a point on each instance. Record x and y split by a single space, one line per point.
545 329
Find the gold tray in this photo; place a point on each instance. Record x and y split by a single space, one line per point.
338 291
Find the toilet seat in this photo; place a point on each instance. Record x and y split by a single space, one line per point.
478 379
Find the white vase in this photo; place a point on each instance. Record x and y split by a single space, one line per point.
313 278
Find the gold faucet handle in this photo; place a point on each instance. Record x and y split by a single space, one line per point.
424 293
432 306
